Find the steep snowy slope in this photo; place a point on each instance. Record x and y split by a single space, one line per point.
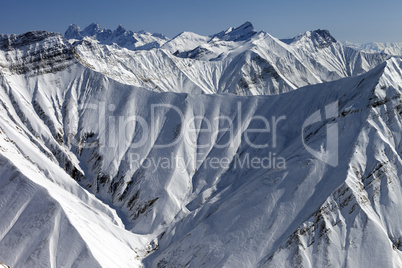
363 214
47 219
309 214
177 169
394 49
319 48
238 60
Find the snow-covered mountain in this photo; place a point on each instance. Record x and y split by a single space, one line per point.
128 39
390 48
97 170
239 60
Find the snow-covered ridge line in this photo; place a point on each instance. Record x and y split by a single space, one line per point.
132 40
239 61
321 38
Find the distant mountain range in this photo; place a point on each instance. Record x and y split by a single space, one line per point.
120 36
238 60
394 49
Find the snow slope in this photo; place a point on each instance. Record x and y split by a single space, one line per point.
185 41
311 214
48 220
74 142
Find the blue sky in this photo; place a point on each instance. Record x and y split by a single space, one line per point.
353 20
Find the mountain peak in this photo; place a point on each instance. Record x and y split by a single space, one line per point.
323 35
74 27
241 33
120 30
73 32
320 38
245 26
92 29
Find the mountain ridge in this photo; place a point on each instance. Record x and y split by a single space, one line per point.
122 37
257 65
391 48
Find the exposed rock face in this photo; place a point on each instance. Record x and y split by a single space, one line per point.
36 53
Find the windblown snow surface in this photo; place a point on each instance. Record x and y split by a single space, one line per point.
87 130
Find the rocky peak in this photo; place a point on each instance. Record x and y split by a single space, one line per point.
319 38
92 29
241 33
73 32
